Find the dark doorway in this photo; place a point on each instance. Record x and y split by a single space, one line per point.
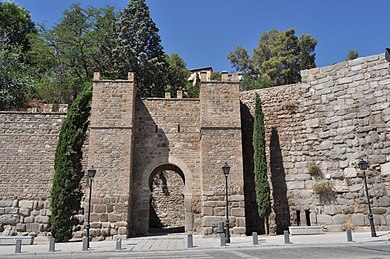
166 214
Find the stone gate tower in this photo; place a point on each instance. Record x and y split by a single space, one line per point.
132 139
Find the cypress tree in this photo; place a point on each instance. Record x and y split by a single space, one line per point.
260 163
66 191
139 50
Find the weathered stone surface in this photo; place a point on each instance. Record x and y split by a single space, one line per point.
350 172
337 110
339 219
385 169
26 204
8 219
324 219
358 219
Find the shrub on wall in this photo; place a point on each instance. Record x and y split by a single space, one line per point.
66 190
314 169
260 163
323 187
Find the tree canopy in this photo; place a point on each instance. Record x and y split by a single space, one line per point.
138 49
352 54
277 59
15 25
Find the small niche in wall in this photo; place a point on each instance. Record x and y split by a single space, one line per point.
178 127
298 217
307 214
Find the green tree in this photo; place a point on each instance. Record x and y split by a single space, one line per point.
177 74
66 189
352 54
16 84
277 60
139 50
260 164
15 25
66 56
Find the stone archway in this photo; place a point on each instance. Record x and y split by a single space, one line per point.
166 210
141 209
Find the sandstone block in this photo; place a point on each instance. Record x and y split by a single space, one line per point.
210 221
384 201
323 219
11 210
350 172
113 217
5 203
356 187
104 217
358 219
122 231
238 212
239 231
100 209
24 212
28 219
8 219
42 219
208 211
25 204
33 227
96 225
120 224
385 169
339 219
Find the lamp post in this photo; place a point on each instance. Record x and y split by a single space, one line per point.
363 165
226 171
91 175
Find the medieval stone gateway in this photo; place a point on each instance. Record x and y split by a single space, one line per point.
138 146
131 139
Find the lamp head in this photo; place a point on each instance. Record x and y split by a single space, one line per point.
226 169
363 165
387 54
91 172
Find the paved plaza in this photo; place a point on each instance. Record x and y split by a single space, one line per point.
179 242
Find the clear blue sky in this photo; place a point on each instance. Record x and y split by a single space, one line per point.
203 32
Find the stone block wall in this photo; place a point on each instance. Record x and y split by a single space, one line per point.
220 124
167 137
336 115
110 152
27 142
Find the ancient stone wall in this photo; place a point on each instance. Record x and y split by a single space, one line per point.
110 152
166 137
27 142
336 115
221 142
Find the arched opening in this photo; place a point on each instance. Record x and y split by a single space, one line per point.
166 210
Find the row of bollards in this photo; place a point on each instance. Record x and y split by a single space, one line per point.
189 239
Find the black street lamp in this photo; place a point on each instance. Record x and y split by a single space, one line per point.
363 165
226 171
91 175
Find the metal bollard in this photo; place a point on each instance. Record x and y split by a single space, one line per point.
286 237
52 245
119 244
349 235
221 227
255 239
223 239
190 241
85 244
18 246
